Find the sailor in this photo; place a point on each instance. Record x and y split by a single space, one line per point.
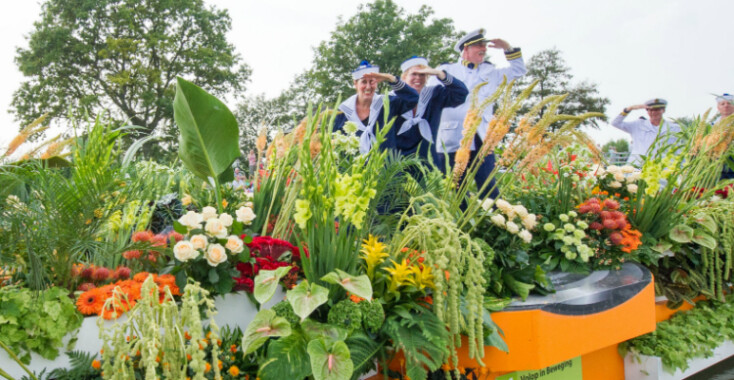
645 132
418 127
473 70
365 108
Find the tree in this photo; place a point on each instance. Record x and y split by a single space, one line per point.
382 33
549 68
619 146
124 56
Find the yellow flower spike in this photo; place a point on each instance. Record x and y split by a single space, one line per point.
224 203
373 253
401 274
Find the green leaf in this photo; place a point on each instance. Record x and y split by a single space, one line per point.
707 221
287 359
330 360
266 282
681 234
520 288
133 149
237 229
305 299
180 228
265 325
213 275
315 330
209 140
359 285
703 239
662 246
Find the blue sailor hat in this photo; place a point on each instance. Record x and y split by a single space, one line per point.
413 61
727 97
656 103
364 68
470 38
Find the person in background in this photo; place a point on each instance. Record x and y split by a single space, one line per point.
645 132
252 161
418 127
239 179
725 106
472 69
365 108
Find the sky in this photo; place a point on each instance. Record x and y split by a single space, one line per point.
679 50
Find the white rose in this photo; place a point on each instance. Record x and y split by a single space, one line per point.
234 244
634 177
487 204
185 251
628 169
191 219
245 215
632 188
208 212
498 220
249 204
216 255
226 219
512 227
613 169
199 241
530 221
619 176
525 235
520 210
216 228
615 185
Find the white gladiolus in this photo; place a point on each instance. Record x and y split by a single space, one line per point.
216 255
512 228
191 219
525 235
520 210
530 221
498 220
226 219
185 251
208 212
234 244
199 241
216 228
245 215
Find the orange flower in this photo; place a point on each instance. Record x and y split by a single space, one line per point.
91 301
96 364
233 348
234 371
208 368
631 239
142 276
355 298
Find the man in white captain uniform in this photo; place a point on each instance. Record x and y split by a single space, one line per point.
645 132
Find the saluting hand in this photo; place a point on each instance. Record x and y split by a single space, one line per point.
379 77
499 43
637 107
430 71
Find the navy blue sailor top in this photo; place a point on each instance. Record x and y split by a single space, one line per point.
420 128
403 100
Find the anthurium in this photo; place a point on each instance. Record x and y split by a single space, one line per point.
315 330
266 282
330 360
265 325
305 298
701 238
359 285
287 359
681 234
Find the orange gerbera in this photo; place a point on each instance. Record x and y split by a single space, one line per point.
91 301
116 307
142 276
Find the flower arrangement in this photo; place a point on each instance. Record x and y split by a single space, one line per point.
211 247
567 235
613 235
618 180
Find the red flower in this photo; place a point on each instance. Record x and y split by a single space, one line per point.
266 246
244 283
142 236
247 269
122 273
101 274
596 226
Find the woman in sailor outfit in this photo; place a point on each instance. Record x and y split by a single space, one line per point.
418 127
365 108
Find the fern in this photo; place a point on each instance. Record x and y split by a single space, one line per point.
421 336
81 368
363 349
